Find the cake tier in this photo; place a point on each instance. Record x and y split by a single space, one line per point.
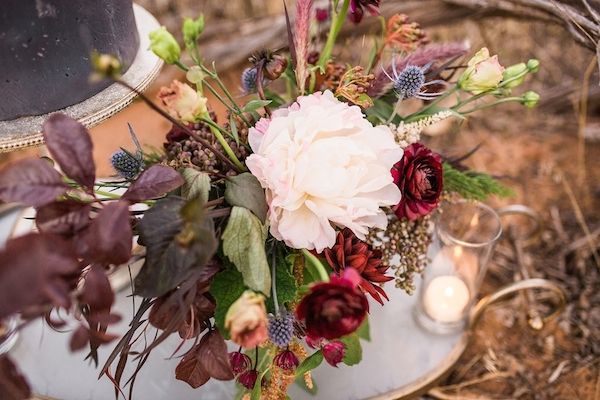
45 48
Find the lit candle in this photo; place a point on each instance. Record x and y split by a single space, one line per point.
446 298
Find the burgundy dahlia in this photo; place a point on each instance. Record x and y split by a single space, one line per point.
248 379
239 361
286 360
350 251
419 176
334 309
334 352
356 9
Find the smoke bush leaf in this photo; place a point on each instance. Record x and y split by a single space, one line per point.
152 183
32 182
69 143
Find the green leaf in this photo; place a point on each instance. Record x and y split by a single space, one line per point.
286 285
234 130
178 240
353 349
473 185
364 330
196 185
244 244
310 363
254 105
226 288
257 386
244 190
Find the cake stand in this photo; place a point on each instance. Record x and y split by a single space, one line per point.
401 361
26 131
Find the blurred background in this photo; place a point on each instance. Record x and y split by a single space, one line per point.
549 155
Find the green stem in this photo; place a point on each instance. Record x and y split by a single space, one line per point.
216 130
181 66
334 31
495 103
316 263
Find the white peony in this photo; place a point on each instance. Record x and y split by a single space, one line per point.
323 164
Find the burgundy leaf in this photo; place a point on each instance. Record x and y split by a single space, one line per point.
191 371
63 217
97 292
110 237
154 182
79 339
13 385
36 270
70 145
214 356
32 182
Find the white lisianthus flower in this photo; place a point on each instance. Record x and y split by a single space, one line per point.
322 165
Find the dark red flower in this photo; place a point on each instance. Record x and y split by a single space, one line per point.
286 360
334 309
350 251
419 176
239 361
334 352
356 9
248 379
322 14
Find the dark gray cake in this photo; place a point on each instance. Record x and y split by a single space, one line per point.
45 48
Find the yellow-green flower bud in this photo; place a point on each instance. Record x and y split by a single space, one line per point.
533 65
106 65
195 75
514 75
164 45
192 29
530 99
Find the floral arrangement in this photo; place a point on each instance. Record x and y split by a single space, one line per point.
275 227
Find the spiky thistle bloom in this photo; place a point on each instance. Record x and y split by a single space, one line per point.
281 329
126 165
409 133
433 54
249 76
351 252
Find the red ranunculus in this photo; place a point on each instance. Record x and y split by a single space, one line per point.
419 176
334 309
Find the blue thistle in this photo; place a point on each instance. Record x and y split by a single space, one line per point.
249 77
409 82
281 329
126 164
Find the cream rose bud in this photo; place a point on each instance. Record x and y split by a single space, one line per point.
246 320
483 73
323 165
183 102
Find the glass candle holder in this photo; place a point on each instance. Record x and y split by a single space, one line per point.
8 334
464 236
